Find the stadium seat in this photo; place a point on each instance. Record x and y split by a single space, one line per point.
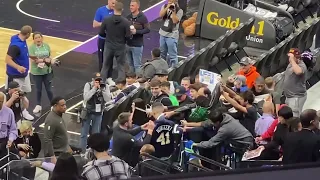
190 67
260 64
109 115
122 105
267 65
299 35
203 57
220 42
189 64
215 96
230 36
179 70
132 95
315 29
281 47
305 37
171 72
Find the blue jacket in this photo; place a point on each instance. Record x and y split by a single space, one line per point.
22 59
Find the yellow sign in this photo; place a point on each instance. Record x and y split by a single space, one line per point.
214 19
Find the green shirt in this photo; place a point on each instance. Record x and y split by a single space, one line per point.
174 100
41 52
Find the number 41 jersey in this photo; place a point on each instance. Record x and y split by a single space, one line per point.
163 139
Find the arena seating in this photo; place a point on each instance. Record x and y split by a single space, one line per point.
268 64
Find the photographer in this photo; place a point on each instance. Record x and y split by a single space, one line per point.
95 96
171 15
17 101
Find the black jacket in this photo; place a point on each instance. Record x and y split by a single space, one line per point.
301 147
34 143
124 145
141 24
116 30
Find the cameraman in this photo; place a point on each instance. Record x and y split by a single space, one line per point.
171 15
95 96
17 101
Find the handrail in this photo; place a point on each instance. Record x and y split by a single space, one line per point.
211 161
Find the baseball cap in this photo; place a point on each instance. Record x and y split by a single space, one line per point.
296 52
162 72
179 91
13 85
245 61
97 76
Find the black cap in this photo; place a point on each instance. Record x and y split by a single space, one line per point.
97 76
13 85
179 91
163 72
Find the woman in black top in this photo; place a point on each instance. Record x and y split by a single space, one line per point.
28 144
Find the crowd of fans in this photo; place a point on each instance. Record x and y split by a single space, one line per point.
250 114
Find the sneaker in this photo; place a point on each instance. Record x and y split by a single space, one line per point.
37 109
27 115
110 82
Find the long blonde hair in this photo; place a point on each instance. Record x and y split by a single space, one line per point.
26 125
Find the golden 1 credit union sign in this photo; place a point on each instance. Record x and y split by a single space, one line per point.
214 19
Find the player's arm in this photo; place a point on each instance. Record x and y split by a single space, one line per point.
13 52
97 21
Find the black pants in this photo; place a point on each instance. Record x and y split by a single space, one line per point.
107 68
101 43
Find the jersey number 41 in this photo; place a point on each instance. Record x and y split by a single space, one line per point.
164 138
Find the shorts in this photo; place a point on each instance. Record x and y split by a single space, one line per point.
25 84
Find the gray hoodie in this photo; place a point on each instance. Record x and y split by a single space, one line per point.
148 70
230 130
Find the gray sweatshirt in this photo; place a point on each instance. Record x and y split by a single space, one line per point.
230 130
88 92
55 135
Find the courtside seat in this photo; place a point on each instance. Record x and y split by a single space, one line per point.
122 105
281 47
179 70
108 115
230 36
305 37
283 58
211 50
315 29
190 62
267 65
240 40
260 64
220 41
171 72
200 61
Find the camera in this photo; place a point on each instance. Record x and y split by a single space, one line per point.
171 7
21 93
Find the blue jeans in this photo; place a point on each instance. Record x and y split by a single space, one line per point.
46 80
169 45
95 119
134 55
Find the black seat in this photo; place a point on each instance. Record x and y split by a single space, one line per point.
200 61
189 64
223 52
277 58
240 41
122 105
171 72
108 116
260 64
305 37
179 70
315 29
267 65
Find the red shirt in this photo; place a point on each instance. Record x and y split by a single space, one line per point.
269 133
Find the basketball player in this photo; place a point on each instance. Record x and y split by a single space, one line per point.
162 137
